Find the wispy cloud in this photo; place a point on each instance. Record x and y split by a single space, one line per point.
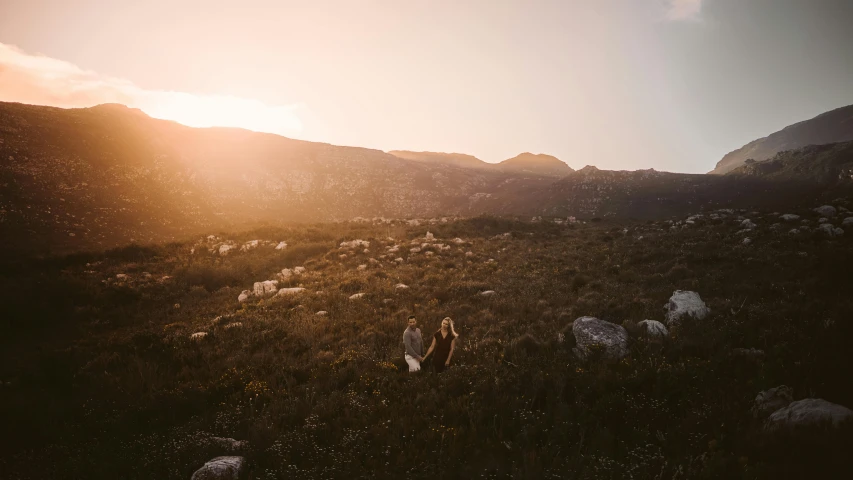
42 80
677 10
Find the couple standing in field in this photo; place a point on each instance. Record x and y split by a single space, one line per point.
443 344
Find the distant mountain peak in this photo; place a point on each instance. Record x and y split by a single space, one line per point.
536 163
828 127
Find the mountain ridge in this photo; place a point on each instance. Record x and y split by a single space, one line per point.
829 127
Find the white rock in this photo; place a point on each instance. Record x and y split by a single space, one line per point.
654 328
591 333
250 245
355 244
224 249
361 268
459 241
790 217
234 325
122 277
289 291
399 259
267 287
487 293
771 400
322 313
825 211
286 273
356 296
828 229
298 270
281 246
429 237
401 286
682 304
469 254
415 250
221 468
244 295
809 412
748 224
198 335
746 241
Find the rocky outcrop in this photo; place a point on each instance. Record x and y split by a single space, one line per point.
809 412
685 305
221 468
771 400
594 336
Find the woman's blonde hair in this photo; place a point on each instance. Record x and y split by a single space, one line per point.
452 330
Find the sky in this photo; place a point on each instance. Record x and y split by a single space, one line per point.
620 84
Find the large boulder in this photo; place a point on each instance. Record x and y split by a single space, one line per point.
221 468
809 412
267 287
592 334
769 401
685 304
653 328
825 211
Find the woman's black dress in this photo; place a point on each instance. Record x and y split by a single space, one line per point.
442 350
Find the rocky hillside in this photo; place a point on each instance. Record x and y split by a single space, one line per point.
106 176
830 127
823 164
109 175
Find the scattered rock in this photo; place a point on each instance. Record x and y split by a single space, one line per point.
298 270
198 335
748 224
233 325
653 328
250 245
591 334
221 468
289 291
793 231
683 304
244 295
825 211
224 249
322 313
790 217
356 296
847 221
267 287
401 286
228 443
487 293
361 268
355 244
829 229
429 237
746 241
809 412
772 400
281 246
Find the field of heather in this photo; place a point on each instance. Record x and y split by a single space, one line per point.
148 361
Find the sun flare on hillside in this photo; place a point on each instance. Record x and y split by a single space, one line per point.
221 111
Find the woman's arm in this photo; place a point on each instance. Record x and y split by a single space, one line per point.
450 355
431 347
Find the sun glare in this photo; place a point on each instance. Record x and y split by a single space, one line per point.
221 111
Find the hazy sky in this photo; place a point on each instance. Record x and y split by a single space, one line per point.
620 84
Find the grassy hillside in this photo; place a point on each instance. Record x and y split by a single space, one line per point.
101 378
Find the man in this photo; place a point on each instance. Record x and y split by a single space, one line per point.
414 344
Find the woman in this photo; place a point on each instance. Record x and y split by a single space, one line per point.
443 343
